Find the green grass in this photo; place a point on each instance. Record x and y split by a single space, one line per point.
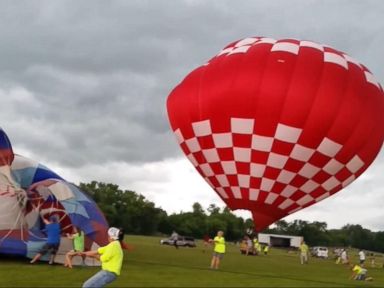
153 265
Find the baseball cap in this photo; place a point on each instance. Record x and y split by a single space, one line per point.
113 233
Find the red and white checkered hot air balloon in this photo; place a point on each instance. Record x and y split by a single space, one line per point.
274 126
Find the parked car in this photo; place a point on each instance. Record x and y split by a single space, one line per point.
181 241
318 251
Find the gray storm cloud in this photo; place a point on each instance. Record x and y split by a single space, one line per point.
85 82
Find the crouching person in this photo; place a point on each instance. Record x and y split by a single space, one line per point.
111 258
359 273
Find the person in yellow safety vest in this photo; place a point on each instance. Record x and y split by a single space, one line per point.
266 249
303 253
359 273
258 248
255 243
111 258
338 260
218 250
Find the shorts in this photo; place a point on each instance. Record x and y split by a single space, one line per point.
218 255
51 248
304 256
362 261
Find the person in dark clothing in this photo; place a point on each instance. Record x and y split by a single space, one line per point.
52 228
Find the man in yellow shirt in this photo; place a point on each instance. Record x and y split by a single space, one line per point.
258 248
266 249
111 257
359 273
303 253
218 250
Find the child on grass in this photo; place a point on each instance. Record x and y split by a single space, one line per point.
78 247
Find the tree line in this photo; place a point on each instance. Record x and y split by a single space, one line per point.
139 216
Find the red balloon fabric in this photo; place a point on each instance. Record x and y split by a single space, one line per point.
275 126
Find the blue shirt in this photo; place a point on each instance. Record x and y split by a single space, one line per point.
53 233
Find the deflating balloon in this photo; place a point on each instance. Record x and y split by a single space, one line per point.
30 192
275 126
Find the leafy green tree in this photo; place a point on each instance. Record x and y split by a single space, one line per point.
213 209
378 244
125 209
198 209
137 215
358 236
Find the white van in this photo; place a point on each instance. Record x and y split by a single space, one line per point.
319 251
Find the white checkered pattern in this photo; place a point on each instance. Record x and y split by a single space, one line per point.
243 178
331 55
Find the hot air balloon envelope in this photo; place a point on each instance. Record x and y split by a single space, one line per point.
274 126
29 192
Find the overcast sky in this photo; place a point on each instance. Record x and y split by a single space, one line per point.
83 87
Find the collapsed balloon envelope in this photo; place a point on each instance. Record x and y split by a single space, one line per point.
29 192
275 126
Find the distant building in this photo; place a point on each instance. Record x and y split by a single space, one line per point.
276 240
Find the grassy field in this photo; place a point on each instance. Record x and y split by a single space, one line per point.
150 264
